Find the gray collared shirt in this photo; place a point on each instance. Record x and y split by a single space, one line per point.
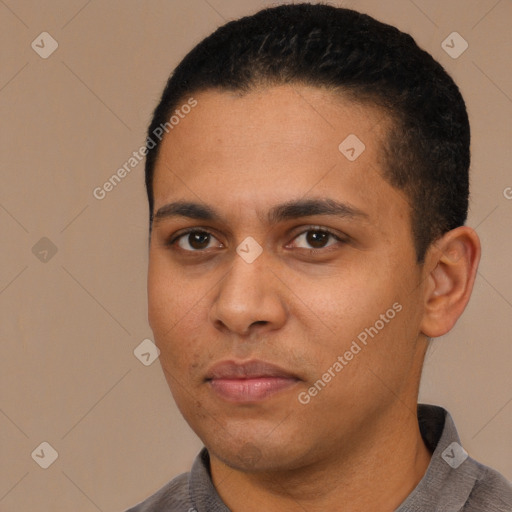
453 482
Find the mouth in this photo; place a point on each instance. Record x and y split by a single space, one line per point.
250 381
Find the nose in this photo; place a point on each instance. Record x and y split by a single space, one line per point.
249 299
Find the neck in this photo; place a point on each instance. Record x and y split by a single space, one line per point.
378 474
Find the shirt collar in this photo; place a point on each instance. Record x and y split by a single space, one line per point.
451 474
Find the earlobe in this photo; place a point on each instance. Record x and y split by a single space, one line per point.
453 261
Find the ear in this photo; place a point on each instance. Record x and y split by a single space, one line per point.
453 261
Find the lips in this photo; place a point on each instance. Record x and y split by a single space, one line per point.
249 381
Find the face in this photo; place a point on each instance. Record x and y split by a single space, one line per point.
283 288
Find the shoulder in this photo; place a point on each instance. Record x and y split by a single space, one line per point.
491 492
174 496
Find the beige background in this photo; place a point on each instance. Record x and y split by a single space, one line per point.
68 326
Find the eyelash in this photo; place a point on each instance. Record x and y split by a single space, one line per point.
175 238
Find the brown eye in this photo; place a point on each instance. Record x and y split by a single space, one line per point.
317 238
194 241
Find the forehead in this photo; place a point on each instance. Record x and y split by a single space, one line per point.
272 145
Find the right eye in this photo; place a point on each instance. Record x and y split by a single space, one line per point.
193 240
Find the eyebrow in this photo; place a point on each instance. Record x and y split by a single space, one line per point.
289 210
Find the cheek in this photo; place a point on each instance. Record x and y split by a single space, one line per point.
168 300
365 307
165 306
161 303
176 314
350 302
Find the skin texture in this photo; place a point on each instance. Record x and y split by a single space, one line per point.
357 440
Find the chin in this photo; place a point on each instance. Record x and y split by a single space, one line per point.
250 458
251 455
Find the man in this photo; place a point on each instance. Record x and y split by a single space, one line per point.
307 240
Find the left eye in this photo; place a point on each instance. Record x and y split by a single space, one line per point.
317 238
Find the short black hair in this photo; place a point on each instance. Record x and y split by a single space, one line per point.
426 153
